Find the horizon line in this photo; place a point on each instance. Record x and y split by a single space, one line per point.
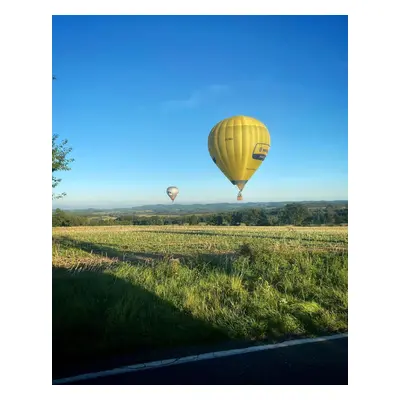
194 204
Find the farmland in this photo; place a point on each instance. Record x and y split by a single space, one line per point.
138 290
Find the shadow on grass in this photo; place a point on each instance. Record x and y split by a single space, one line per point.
143 257
101 321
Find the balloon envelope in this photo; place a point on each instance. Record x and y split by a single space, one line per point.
172 192
238 146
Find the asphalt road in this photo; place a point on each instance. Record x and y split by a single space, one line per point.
320 363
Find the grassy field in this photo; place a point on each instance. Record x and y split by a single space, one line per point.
130 290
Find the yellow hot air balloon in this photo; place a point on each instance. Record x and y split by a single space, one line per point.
238 146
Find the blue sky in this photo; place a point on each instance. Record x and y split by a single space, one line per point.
136 97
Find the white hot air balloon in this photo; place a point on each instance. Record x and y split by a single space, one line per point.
172 192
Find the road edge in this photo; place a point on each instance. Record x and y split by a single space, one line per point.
193 358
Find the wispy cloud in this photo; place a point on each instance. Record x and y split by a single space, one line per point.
196 98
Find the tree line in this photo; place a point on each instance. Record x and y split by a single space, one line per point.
291 214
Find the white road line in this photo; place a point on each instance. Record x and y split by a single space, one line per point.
188 359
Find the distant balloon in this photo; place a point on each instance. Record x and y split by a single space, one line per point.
172 192
238 146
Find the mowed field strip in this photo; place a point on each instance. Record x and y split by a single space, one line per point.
134 289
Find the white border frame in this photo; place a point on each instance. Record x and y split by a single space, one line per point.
26 202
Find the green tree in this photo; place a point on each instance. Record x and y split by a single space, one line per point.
60 218
319 217
253 217
193 220
329 215
237 217
60 161
219 220
294 214
272 220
